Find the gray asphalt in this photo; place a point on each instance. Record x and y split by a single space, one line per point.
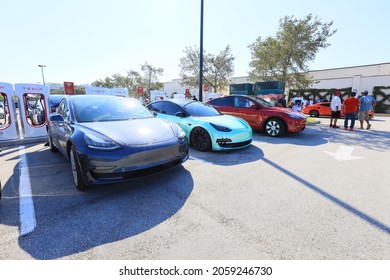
322 194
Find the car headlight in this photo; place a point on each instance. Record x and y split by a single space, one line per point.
100 143
180 133
178 130
220 127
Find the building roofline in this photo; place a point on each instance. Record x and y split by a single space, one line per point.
346 67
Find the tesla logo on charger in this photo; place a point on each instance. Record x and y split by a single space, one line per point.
37 89
69 88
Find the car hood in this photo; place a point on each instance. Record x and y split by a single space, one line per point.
135 132
284 110
224 120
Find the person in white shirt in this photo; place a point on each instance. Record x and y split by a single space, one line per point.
335 105
297 103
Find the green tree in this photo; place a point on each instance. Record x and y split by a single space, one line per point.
107 83
150 77
217 69
132 80
285 56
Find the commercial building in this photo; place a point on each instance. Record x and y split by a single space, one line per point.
374 78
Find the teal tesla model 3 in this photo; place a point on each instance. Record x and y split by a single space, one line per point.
206 128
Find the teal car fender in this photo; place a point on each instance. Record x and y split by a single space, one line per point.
224 132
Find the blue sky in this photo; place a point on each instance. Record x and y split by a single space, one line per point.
85 40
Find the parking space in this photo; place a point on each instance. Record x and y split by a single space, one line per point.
319 194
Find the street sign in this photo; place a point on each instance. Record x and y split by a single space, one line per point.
140 91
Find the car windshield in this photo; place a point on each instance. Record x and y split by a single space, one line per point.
198 109
103 109
263 102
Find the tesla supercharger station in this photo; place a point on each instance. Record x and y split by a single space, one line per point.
97 91
8 127
124 92
33 106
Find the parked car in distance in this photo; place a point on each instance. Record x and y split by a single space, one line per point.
322 109
111 139
206 128
260 114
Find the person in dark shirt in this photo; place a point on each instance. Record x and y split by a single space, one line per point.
282 101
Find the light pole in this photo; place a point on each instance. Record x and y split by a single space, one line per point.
201 53
43 77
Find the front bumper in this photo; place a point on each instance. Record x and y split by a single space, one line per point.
100 167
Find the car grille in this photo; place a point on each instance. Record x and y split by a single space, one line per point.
137 173
235 145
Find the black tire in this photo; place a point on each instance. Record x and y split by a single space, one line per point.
76 170
51 145
200 139
314 113
275 127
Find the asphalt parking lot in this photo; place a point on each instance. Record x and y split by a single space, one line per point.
320 194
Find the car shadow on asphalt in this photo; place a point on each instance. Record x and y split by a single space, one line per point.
308 137
316 135
348 207
229 157
70 222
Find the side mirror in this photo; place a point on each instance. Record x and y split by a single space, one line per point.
180 114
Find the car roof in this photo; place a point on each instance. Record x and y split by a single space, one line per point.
238 95
56 97
180 102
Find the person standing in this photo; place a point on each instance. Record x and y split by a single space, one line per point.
367 103
335 105
350 107
282 101
297 103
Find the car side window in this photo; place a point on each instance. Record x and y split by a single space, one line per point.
157 107
225 101
172 109
63 110
241 102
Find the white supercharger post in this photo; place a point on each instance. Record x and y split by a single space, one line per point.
8 127
157 95
124 92
34 108
97 91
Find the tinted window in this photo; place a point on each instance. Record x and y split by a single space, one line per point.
225 101
172 108
156 107
63 110
198 109
242 102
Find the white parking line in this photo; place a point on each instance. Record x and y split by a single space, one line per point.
26 204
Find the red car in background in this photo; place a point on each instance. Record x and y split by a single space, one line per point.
260 114
322 109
